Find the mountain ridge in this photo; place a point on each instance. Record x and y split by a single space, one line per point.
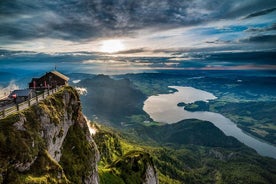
50 142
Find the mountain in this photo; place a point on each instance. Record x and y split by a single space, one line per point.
192 131
111 100
179 154
50 142
122 162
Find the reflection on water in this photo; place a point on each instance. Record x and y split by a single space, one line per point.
163 108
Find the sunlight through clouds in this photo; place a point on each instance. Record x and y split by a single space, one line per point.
112 46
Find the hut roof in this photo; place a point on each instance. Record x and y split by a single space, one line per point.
21 92
60 75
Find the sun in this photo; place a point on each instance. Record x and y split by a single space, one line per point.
111 46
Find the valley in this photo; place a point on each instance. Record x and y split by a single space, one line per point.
239 98
191 150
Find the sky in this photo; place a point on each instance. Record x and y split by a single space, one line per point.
185 34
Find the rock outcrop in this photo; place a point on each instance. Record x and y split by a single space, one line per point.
52 142
136 167
150 175
34 143
123 163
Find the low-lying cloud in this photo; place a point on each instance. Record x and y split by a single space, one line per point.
5 91
81 91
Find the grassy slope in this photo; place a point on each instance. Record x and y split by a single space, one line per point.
183 154
190 132
77 153
185 163
121 162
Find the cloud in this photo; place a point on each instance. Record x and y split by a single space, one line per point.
133 51
180 59
81 20
260 13
76 81
4 91
218 41
81 91
159 28
263 29
261 39
236 58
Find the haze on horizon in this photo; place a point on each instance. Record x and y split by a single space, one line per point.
185 34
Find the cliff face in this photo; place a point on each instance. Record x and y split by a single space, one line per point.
44 143
51 142
150 175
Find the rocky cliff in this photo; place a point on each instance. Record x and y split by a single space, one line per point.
51 142
43 144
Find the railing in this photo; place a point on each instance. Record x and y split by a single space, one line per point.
23 105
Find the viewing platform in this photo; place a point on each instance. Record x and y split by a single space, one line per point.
13 108
39 89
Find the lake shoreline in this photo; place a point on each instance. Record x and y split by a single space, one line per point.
163 108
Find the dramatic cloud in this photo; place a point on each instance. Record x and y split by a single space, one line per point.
260 13
261 39
71 63
263 29
164 28
83 19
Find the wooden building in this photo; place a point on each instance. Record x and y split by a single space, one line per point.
50 80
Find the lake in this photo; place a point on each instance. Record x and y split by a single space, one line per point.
163 108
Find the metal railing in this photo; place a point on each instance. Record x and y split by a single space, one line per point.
23 105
